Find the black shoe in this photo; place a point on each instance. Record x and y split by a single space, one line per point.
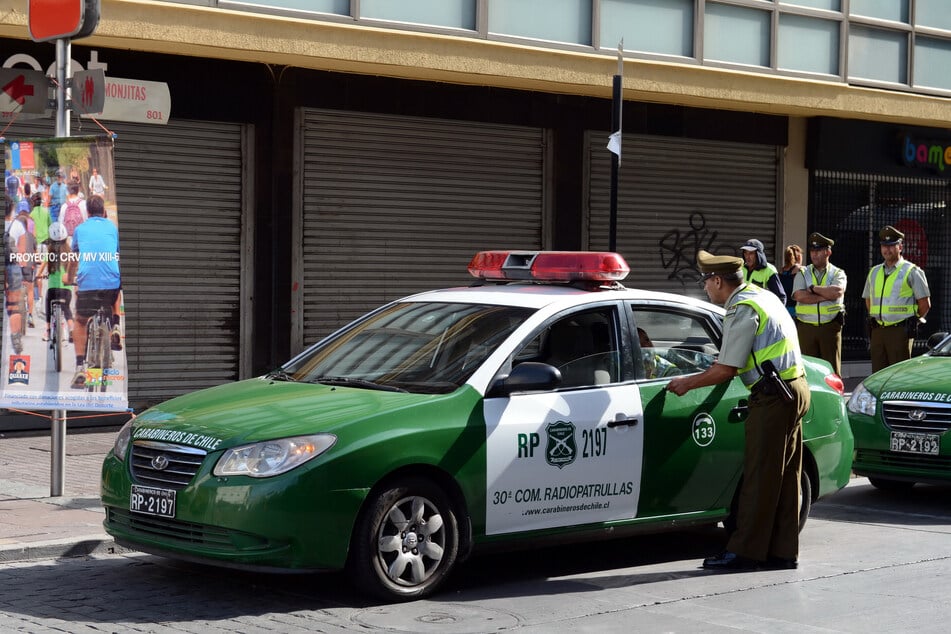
780 563
730 561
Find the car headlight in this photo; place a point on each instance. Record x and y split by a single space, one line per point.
862 401
272 457
122 441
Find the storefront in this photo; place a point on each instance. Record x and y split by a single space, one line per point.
864 176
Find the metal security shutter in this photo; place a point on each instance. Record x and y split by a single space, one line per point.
676 196
393 205
180 225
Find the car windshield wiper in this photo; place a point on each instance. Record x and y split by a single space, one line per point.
351 382
280 375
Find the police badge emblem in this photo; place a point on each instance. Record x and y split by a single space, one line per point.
561 449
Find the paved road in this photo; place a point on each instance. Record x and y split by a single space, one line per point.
871 562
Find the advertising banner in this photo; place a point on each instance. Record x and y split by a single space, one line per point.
63 324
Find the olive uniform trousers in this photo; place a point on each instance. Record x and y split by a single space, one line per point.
768 514
823 341
888 345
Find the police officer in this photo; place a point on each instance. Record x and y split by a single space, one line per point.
897 298
759 271
759 345
819 291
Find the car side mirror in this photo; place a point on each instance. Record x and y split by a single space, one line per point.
935 339
526 377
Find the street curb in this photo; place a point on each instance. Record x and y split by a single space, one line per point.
85 546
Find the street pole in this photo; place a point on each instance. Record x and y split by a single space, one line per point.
58 420
617 101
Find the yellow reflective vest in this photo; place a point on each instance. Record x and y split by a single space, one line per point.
775 340
826 310
891 297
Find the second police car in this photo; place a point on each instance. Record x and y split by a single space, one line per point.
529 406
900 417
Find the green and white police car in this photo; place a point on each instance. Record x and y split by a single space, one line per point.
529 406
900 417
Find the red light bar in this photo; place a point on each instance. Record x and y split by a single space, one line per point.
549 266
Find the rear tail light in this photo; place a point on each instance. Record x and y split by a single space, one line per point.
835 382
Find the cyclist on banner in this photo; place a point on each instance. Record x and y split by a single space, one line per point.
14 233
55 267
96 243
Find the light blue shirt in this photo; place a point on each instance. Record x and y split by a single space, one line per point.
97 242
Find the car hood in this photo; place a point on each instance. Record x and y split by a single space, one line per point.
919 379
262 409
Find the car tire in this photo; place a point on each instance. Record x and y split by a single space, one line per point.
884 484
805 497
405 542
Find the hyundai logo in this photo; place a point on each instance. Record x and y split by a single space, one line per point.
160 463
917 415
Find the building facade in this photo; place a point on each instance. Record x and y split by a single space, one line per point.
324 156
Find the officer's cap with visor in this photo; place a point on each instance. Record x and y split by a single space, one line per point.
818 241
890 235
711 265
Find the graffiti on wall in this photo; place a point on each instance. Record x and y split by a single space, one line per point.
678 248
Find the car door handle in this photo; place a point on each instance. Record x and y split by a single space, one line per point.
740 412
629 422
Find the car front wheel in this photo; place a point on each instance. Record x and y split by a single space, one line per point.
405 542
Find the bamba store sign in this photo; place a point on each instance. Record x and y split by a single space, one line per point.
932 155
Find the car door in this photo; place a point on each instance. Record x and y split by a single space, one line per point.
693 443
570 455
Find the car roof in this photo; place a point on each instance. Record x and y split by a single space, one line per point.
536 296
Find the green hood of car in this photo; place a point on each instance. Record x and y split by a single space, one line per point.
919 379
261 409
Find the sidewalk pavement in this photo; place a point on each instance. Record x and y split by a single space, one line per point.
34 525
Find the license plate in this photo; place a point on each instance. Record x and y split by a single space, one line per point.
152 501
915 443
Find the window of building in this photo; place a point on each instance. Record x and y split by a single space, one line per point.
450 13
650 26
932 63
337 7
736 34
933 13
554 20
895 10
878 55
830 5
808 44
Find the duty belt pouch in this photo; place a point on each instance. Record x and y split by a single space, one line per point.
911 327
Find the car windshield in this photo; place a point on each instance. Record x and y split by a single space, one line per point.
943 349
429 348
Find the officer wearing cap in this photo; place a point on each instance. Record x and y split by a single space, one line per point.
819 291
760 346
897 298
759 271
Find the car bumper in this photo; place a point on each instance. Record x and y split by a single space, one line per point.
291 522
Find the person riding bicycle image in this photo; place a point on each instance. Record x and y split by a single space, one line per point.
55 268
96 243
14 233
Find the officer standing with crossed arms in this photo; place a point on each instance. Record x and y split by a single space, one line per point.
898 299
819 291
760 346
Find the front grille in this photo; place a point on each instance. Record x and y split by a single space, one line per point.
914 416
186 533
939 465
165 465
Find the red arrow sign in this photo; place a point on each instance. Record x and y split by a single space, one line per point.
18 89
